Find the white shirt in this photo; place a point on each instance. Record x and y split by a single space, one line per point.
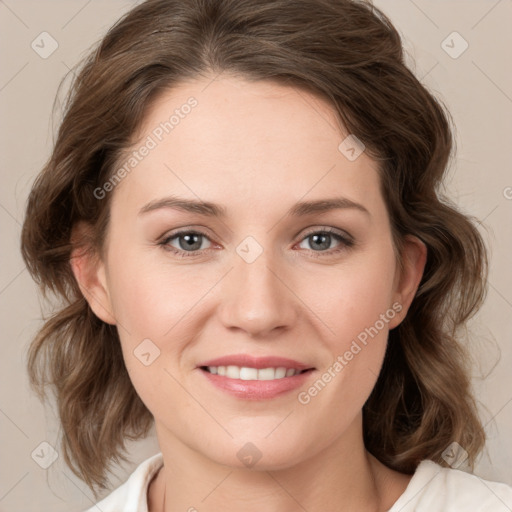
432 488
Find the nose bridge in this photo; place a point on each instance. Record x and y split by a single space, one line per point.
255 298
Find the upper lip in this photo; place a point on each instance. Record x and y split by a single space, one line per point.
245 360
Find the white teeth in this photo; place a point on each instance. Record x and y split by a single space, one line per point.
233 372
246 373
280 373
266 374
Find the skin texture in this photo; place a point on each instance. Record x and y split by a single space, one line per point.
256 148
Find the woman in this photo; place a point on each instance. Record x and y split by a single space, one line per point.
241 213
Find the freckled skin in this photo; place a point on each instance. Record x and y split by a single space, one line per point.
256 149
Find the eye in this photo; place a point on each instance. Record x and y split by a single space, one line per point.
188 243
185 242
320 241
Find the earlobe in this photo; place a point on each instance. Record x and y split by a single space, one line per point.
89 272
414 258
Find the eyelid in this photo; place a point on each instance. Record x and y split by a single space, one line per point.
200 230
328 229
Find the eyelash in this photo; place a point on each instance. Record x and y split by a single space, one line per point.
345 243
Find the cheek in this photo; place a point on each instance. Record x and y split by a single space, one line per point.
156 306
356 304
149 307
151 296
148 296
354 297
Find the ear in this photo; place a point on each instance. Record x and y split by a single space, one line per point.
90 274
414 257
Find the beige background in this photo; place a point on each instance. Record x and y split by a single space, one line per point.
477 88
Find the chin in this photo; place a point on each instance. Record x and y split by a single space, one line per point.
260 454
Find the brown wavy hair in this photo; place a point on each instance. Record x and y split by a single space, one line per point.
347 52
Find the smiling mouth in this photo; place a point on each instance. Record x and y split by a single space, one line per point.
248 373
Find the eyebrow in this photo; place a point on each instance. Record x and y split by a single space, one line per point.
209 209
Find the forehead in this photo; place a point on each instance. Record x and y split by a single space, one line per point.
230 140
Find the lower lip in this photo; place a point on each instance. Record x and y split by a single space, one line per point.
257 389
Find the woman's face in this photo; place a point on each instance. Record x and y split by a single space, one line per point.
255 275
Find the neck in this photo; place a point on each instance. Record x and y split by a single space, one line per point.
344 477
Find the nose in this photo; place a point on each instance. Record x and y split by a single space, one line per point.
257 298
